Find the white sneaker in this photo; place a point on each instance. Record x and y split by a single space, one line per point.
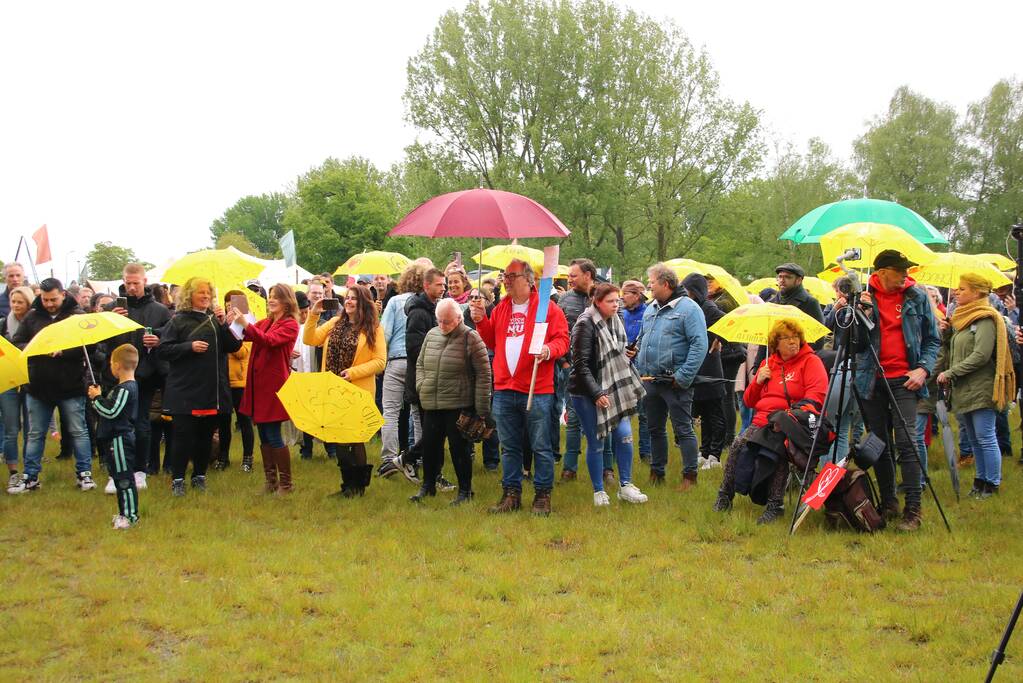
140 481
601 499
110 489
121 522
14 481
701 462
631 494
85 481
713 462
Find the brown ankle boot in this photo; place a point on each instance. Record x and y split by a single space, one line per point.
542 503
283 458
688 482
510 501
269 467
912 518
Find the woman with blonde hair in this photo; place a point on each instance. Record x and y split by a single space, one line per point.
355 350
272 339
12 401
195 343
976 365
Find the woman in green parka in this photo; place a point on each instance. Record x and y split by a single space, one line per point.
976 365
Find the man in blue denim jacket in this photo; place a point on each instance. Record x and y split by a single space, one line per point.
672 345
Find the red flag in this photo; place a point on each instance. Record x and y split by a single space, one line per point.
42 240
822 486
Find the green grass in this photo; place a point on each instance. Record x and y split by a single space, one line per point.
236 585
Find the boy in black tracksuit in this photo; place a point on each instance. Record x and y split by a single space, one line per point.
117 428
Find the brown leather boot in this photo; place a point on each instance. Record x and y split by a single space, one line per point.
688 482
542 503
912 518
890 510
511 500
269 467
283 459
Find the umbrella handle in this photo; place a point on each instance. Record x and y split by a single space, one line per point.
88 362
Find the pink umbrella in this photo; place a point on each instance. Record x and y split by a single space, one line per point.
480 213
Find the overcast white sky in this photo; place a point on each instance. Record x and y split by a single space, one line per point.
141 122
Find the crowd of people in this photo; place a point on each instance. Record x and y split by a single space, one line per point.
451 364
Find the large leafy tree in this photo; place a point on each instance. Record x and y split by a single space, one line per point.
106 260
340 208
916 154
257 218
995 126
609 118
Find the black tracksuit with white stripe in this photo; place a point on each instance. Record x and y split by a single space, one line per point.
117 427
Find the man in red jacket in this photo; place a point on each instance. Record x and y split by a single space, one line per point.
508 332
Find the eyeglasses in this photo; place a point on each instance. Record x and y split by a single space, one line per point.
788 339
512 276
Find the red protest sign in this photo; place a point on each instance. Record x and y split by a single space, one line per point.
822 486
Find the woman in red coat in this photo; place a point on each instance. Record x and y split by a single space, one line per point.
791 373
273 340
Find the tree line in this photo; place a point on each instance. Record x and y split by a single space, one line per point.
616 123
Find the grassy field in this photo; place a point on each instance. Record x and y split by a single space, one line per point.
236 585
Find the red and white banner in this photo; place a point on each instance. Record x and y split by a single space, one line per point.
823 485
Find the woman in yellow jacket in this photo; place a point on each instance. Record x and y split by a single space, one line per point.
354 349
237 369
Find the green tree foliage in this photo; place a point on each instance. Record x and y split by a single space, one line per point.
995 126
258 218
743 231
607 117
239 242
341 208
106 261
917 154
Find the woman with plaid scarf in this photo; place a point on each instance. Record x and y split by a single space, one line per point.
605 391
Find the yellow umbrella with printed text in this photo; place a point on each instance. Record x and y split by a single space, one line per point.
751 323
13 366
79 330
945 270
374 263
329 408
872 239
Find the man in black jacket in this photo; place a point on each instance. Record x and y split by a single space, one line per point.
420 319
55 381
709 388
792 293
151 371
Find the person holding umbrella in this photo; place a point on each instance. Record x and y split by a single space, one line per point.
273 339
195 343
353 349
976 364
55 381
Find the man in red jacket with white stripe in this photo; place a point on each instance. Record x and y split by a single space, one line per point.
508 331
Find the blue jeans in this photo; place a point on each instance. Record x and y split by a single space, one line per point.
921 444
514 423
1002 431
621 440
561 376
662 401
746 413
965 447
12 404
270 434
980 429
39 414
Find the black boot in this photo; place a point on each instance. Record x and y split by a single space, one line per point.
349 475
424 492
989 490
772 512
462 497
978 488
723 503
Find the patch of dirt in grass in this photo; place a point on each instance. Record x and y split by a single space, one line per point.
562 543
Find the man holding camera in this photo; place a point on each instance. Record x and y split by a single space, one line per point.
906 341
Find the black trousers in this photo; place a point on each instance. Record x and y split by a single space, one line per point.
193 440
881 418
712 426
244 426
438 425
143 429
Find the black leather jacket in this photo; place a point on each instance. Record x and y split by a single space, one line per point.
584 379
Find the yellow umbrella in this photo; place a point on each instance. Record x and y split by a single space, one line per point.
872 239
819 289
227 269
13 366
374 263
727 281
79 330
500 255
835 272
751 323
998 261
329 408
945 270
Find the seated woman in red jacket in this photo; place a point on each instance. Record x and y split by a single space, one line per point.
791 373
273 339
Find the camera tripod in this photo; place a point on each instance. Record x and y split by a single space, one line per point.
853 324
